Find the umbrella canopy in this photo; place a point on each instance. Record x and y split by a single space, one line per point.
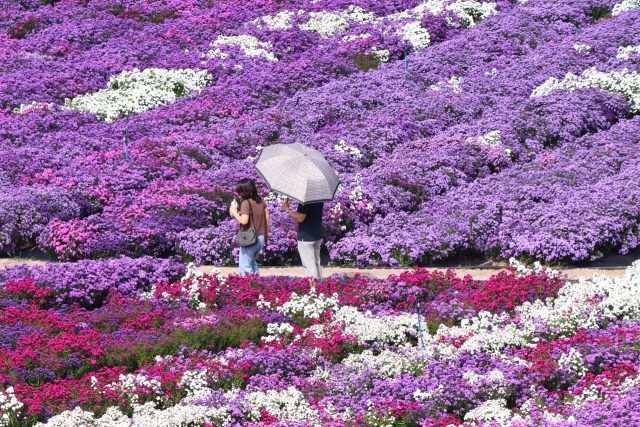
298 172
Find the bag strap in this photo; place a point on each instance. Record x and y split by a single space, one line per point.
250 213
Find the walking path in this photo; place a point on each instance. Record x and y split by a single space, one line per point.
380 273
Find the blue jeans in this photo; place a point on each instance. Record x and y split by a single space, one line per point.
248 256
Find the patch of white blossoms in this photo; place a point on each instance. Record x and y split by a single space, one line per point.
624 82
342 147
453 84
492 138
625 6
288 404
137 91
34 106
628 52
327 24
251 46
9 404
490 412
574 364
582 48
190 286
572 310
382 329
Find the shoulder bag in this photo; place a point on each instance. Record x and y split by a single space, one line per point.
248 237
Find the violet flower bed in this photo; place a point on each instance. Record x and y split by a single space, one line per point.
521 349
512 132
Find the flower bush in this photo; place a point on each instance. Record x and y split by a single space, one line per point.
513 130
142 341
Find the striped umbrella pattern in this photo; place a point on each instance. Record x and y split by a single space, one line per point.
298 172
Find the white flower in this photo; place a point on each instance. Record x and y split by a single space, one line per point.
625 82
492 138
627 52
9 404
582 48
625 6
453 83
342 147
137 91
34 106
250 46
574 364
492 410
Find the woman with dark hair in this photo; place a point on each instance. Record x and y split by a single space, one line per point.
253 204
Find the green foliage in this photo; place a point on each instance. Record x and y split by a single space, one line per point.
366 62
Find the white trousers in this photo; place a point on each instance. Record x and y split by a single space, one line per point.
310 256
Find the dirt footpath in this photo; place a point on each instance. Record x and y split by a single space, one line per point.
380 273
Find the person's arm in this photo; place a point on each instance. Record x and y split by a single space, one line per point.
300 217
266 215
241 217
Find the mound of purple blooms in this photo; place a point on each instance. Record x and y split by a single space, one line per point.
511 132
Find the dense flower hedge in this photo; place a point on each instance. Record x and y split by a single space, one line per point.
135 346
513 131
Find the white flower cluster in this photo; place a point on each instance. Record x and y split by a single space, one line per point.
191 289
342 147
288 404
387 363
627 52
309 306
625 82
137 91
9 404
34 106
250 46
574 364
278 330
453 83
523 270
329 23
130 383
143 416
582 48
598 393
492 138
325 23
492 412
196 383
625 6
357 197
381 329
418 36
573 309
469 11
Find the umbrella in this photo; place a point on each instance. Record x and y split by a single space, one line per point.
298 172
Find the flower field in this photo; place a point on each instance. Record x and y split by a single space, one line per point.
504 128
148 342
509 129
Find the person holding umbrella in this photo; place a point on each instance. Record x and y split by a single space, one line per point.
302 174
310 234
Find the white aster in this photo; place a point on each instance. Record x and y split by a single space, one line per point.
137 91
251 46
624 82
628 52
625 6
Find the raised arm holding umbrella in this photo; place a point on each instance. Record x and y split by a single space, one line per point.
302 174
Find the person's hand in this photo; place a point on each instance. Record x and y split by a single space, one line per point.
285 206
266 238
233 211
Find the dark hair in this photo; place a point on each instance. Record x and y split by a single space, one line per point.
247 189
